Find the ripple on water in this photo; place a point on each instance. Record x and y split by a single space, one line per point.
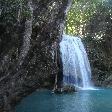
81 101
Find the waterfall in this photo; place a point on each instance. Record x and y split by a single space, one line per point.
76 67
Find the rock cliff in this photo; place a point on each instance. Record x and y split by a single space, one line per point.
30 32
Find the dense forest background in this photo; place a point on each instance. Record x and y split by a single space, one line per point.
30 33
92 21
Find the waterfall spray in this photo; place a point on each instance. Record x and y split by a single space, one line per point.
76 67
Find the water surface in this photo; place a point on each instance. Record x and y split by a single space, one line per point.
82 101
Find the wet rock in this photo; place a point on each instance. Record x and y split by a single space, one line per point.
65 89
69 89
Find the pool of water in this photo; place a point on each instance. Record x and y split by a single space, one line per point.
81 101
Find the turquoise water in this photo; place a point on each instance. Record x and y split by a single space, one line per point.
82 101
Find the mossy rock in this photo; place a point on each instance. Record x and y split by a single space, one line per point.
65 89
69 89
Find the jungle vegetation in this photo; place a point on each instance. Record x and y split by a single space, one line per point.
92 20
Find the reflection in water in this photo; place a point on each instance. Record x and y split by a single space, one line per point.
85 102
82 101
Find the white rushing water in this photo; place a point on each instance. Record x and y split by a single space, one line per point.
76 67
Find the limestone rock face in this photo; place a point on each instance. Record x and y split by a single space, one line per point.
30 32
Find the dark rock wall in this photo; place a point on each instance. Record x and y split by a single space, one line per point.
30 32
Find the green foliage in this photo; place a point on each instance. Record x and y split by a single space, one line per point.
12 10
8 10
92 20
80 13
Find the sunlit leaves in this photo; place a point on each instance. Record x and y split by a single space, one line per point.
80 13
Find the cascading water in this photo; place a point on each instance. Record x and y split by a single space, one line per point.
76 67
